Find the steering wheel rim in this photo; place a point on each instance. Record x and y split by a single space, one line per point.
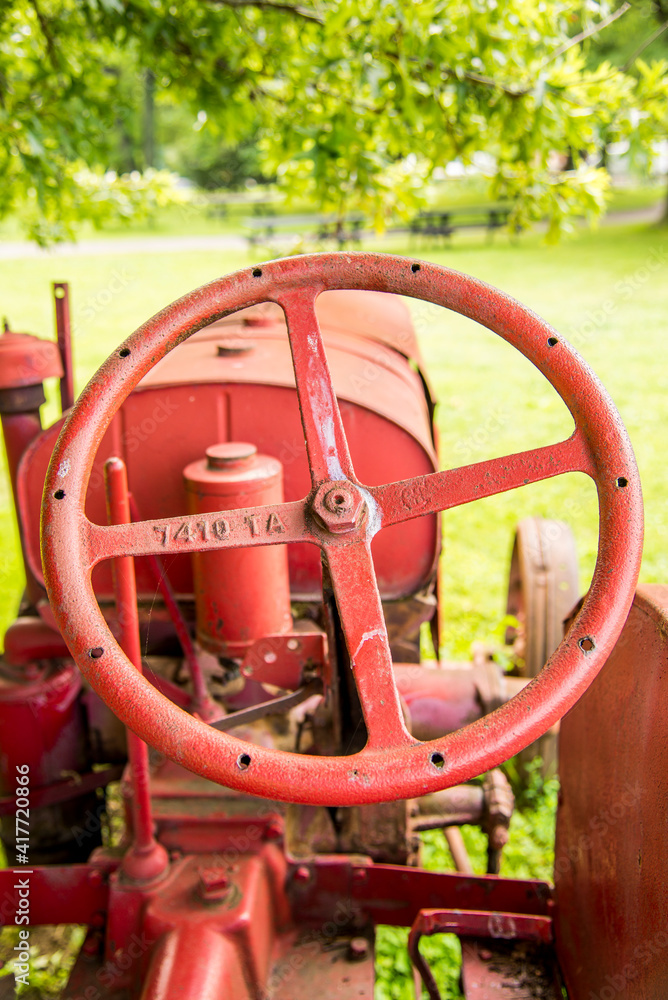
393 764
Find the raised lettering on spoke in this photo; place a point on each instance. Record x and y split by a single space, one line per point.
221 529
443 490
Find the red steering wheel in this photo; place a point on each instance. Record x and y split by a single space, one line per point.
342 516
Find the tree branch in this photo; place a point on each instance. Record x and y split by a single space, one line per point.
48 37
307 15
447 71
641 48
488 81
594 30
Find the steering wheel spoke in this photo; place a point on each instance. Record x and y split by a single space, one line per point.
360 610
442 490
224 529
326 442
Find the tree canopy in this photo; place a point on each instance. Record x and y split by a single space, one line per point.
353 103
638 45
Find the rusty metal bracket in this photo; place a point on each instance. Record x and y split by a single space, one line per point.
271 707
470 923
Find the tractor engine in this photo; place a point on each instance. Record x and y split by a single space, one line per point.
242 637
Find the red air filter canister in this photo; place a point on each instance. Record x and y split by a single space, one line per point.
240 594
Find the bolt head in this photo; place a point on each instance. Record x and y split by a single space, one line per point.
339 506
273 830
213 883
358 949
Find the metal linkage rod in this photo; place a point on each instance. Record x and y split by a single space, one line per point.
146 859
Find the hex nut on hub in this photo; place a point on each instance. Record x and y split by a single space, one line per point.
339 506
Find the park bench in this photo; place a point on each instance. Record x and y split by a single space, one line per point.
444 222
268 230
219 203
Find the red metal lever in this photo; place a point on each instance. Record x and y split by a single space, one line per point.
146 859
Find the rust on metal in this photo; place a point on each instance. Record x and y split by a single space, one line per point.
393 764
471 923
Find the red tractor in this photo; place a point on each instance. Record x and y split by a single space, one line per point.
239 544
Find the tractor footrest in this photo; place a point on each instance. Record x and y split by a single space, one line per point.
340 968
514 970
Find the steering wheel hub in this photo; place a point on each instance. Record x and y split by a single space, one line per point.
340 507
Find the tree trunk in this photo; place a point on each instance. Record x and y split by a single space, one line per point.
149 118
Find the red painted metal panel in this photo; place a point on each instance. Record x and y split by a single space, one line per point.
196 963
392 894
611 861
167 425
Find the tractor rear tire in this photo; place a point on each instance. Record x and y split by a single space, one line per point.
542 591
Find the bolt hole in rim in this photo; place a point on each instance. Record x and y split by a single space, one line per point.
599 447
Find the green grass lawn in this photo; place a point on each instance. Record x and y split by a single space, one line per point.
607 292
